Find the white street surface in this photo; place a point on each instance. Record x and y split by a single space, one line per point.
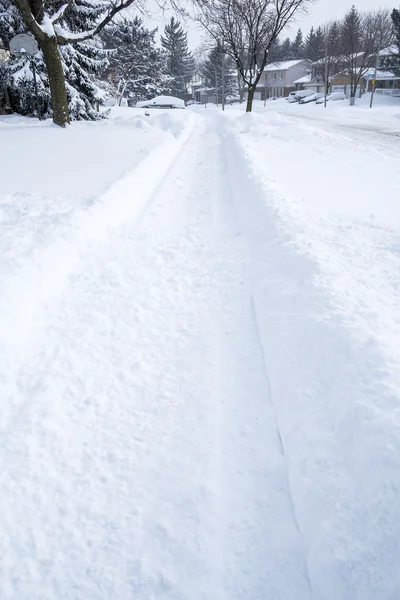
190 408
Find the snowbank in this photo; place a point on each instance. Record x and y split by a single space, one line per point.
323 217
54 205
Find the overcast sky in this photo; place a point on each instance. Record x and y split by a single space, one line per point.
319 13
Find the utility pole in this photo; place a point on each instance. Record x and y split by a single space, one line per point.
326 65
374 79
223 77
216 85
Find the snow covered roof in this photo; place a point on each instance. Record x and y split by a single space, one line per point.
283 65
381 75
305 79
389 51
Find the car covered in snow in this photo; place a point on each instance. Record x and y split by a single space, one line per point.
162 102
334 97
311 98
299 95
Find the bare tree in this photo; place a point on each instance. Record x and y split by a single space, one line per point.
248 30
43 22
363 34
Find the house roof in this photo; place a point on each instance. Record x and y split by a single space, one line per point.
381 75
305 79
283 65
389 51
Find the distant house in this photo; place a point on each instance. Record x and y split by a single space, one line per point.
339 79
199 88
279 78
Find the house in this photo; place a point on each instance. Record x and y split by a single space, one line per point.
279 78
199 87
339 79
308 82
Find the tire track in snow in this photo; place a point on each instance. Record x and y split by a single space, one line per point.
243 181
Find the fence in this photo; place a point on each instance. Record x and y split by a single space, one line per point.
390 92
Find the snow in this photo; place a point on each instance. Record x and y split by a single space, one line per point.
199 355
328 299
283 65
162 101
305 79
47 26
384 115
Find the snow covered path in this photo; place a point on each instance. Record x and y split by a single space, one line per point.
141 454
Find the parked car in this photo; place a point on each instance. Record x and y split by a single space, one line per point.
162 102
312 98
297 96
334 97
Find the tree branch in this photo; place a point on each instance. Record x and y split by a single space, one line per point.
60 12
29 20
65 37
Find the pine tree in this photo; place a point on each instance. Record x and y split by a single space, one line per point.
297 49
320 41
56 26
17 74
212 71
286 50
81 63
179 61
136 67
310 46
277 52
394 61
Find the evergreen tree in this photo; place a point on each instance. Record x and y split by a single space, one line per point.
65 32
320 40
179 61
136 67
81 63
394 61
297 48
310 48
276 52
286 50
212 71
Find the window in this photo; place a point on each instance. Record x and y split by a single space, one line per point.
281 74
275 76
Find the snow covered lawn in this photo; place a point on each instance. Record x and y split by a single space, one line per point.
384 114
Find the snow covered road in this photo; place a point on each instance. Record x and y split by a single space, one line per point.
141 456
187 414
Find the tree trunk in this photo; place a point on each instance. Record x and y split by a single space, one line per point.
250 97
59 101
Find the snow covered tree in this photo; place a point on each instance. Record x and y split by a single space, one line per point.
81 63
362 35
212 70
180 63
136 67
394 61
247 29
62 31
